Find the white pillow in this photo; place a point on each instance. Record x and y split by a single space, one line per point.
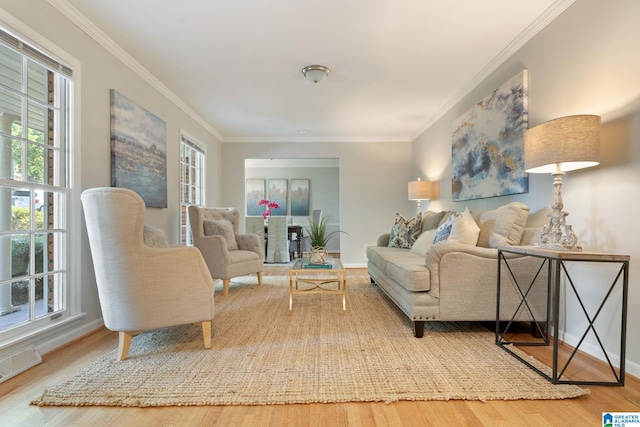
459 228
464 229
443 231
424 242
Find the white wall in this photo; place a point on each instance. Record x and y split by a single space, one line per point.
585 62
101 71
373 184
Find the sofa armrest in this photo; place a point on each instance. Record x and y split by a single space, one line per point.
437 251
184 290
383 240
456 254
212 247
250 242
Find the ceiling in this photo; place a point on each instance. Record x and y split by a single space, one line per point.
235 66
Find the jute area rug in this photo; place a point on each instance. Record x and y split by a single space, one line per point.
262 355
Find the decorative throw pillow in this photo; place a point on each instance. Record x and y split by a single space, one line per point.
404 232
464 229
154 237
424 242
443 231
221 227
459 228
502 226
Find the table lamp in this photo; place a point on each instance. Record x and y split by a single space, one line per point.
419 190
558 146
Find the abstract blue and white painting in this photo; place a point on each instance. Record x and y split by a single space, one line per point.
138 151
299 197
487 147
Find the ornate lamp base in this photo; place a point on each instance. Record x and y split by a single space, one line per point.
557 234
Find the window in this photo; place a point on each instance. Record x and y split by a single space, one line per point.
35 98
191 181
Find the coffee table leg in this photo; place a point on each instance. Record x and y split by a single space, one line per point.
344 292
291 292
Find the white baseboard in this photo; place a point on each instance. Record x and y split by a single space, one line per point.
593 349
57 341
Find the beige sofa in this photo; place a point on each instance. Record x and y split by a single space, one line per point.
451 281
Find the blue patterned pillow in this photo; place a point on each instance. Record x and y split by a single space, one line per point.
442 233
404 232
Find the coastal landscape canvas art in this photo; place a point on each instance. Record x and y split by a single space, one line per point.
138 151
487 148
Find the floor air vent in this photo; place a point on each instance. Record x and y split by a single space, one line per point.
18 362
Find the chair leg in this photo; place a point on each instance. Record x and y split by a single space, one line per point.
124 343
260 278
225 286
206 333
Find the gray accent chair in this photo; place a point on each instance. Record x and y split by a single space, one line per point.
142 287
224 263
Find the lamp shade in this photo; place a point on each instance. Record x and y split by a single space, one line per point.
419 190
573 142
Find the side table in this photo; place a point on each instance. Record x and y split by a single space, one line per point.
556 264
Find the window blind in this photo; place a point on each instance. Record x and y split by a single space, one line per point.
34 54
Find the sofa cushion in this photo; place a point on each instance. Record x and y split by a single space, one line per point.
431 220
424 242
502 226
222 228
410 272
404 231
381 255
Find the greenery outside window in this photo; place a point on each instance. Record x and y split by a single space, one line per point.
192 178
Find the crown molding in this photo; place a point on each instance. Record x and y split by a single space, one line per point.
312 139
99 36
543 20
95 33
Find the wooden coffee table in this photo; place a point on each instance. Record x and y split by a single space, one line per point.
328 278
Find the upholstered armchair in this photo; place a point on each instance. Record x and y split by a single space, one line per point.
255 225
142 287
227 253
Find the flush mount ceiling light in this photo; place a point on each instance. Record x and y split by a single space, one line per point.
315 73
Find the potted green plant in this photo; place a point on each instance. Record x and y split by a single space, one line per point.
319 237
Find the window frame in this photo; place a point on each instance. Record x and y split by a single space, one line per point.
189 142
39 331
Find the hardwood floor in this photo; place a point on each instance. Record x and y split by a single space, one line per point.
16 393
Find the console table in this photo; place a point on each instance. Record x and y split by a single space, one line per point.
555 263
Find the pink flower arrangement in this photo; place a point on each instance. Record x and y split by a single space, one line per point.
269 205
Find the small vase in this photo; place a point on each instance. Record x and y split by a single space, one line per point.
318 255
